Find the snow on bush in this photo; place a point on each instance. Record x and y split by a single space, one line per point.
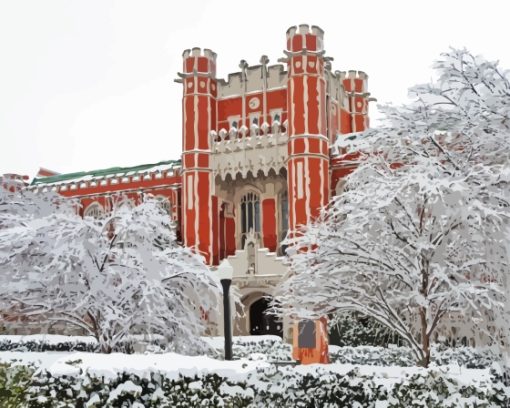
112 278
273 349
49 342
256 385
270 348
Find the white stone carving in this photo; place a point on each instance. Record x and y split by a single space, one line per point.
255 264
243 151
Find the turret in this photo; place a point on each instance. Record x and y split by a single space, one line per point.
199 207
308 147
308 163
355 84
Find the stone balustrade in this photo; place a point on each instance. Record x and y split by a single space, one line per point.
243 150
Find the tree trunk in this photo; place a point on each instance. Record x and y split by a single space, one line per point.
106 348
425 338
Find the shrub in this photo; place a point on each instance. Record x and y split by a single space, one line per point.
314 386
14 383
354 329
433 389
42 345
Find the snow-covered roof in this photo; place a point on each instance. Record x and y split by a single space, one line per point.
107 173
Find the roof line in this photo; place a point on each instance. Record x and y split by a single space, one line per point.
100 172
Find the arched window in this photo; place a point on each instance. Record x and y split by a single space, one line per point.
125 202
94 210
250 215
340 187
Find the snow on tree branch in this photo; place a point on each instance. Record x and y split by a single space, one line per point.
113 277
419 238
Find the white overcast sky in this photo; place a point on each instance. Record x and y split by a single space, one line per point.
89 84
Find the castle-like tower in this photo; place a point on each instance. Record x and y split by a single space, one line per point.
199 204
267 131
308 146
256 162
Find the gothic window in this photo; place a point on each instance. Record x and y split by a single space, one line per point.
250 215
125 202
94 210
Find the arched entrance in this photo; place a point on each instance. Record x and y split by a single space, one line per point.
263 323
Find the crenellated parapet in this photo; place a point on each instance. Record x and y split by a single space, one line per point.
310 38
251 79
354 81
342 85
197 60
232 127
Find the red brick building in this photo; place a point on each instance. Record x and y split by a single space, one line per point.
256 161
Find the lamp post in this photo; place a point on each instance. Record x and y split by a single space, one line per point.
225 272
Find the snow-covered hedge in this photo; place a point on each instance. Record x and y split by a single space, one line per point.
401 356
50 342
270 348
312 386
14 383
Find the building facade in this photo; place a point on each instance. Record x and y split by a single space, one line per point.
256 162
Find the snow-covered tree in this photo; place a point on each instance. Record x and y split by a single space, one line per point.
418 239
113 277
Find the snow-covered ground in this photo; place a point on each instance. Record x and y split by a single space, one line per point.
173 365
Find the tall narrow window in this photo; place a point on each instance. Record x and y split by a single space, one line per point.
250 216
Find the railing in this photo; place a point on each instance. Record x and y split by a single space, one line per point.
242 138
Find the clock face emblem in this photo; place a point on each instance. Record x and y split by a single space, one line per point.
254 103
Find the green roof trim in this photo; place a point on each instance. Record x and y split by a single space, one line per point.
101 173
